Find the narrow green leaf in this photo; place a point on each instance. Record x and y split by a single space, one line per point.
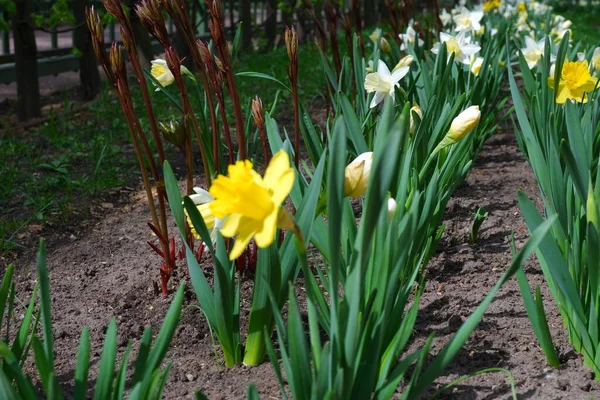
167 330
107 363
83 365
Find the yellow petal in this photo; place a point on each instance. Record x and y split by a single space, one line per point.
279 177
231 225
246 229
563 93
266 235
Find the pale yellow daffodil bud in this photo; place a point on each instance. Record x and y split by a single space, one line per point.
391 208
417 110
385 46
476 66
356 175
404 62
464 123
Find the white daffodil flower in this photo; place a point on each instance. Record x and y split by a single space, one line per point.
539 8
375 35
468 20
383 82
595 64
445 17
533 51
161 72
522 22
410 37
561 27
202 199
460 45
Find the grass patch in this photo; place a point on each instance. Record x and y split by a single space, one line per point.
586 23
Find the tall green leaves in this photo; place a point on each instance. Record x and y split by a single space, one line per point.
560 142
148 379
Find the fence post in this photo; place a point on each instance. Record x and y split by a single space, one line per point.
53 38
28 86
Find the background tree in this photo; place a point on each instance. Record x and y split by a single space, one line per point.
247 23
28 87
88 67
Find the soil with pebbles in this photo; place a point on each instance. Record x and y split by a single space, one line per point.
106 269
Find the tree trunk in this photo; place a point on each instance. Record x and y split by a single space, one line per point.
370 15
88 67
28 86
271 24
246 18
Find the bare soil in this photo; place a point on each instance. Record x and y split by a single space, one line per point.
106 269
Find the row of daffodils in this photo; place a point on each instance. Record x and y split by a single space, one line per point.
555 87
408 116
398 148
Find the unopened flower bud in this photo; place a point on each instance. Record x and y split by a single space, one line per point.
291 43
356 175
257 112
385 46
116 58
464 123
391 205
476 66
417 110
174 132
404 62
219 64
460 127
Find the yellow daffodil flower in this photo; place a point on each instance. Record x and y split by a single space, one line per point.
491 5
250 202
356 175
575 82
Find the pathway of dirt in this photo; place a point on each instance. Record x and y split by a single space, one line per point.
108 271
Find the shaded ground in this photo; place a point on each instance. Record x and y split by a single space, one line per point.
106 269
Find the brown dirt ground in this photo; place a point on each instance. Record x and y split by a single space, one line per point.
106 269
